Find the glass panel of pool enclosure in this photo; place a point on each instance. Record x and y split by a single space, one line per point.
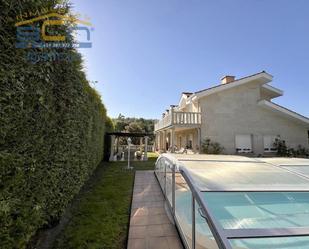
297 165
300 242
234 202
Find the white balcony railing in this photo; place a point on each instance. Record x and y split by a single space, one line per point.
179 118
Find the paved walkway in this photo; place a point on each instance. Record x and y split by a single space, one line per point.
150 228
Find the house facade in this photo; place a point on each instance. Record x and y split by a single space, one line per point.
238 114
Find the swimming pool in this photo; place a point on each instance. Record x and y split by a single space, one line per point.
237 202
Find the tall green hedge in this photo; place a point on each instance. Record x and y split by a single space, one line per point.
51 132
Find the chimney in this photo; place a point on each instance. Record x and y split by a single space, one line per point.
227 79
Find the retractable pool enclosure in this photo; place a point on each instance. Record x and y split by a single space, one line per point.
233 202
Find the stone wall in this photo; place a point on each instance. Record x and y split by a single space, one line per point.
235 111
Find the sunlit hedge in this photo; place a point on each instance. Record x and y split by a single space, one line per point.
51 133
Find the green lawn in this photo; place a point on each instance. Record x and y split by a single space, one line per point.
100 218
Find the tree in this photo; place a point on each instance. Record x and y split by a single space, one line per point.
134 125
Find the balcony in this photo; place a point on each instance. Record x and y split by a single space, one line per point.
180 119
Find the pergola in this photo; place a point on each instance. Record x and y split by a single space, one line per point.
115 142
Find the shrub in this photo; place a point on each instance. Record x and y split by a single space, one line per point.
51 132
284 151
301 151
209 147
281 147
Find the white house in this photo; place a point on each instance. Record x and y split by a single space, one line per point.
238 113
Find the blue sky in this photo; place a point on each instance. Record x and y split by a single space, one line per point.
146 52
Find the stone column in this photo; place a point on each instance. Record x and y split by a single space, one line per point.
173 140
111 157
140 144
160 141
117 144
145 151
156 143
164 140
199 139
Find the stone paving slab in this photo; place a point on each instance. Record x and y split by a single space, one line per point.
150 227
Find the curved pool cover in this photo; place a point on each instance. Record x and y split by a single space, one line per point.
235 202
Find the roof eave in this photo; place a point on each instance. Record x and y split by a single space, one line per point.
262 77
284 111
274 92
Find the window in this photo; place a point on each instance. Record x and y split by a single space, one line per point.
243 143
269 141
